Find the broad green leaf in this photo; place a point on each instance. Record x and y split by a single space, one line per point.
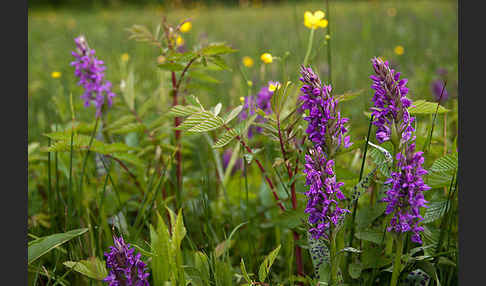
217 49
366 216
267 263
162 260
370 235
93 267
425 107
43 245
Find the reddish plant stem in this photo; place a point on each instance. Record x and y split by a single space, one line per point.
298 252
177 135
260 166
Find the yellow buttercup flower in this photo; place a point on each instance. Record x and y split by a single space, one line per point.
249 83
316 20
125 57
56 74
247 62
266 58
399 50
242 99
186 27
179 41
328 37
273 87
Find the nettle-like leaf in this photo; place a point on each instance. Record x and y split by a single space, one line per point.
227 137
93 267
435 211
442 171
217 49
267 263
181 110
201 122
426 107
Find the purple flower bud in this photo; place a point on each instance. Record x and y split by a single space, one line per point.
125 268
390 102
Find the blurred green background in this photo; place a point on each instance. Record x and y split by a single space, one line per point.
426 30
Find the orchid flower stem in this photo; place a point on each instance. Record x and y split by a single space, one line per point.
397 263
309 47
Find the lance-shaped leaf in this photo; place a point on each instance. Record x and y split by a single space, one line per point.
267 263
43 245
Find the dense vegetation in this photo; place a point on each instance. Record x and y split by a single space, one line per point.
206 159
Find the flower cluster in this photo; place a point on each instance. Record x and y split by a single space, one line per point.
326 126
90 72
390 100
125 268
405 198
324 193
261 101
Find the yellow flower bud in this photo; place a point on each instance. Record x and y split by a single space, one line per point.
399 50
247 62
56 74
266 58
186 27
179 41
